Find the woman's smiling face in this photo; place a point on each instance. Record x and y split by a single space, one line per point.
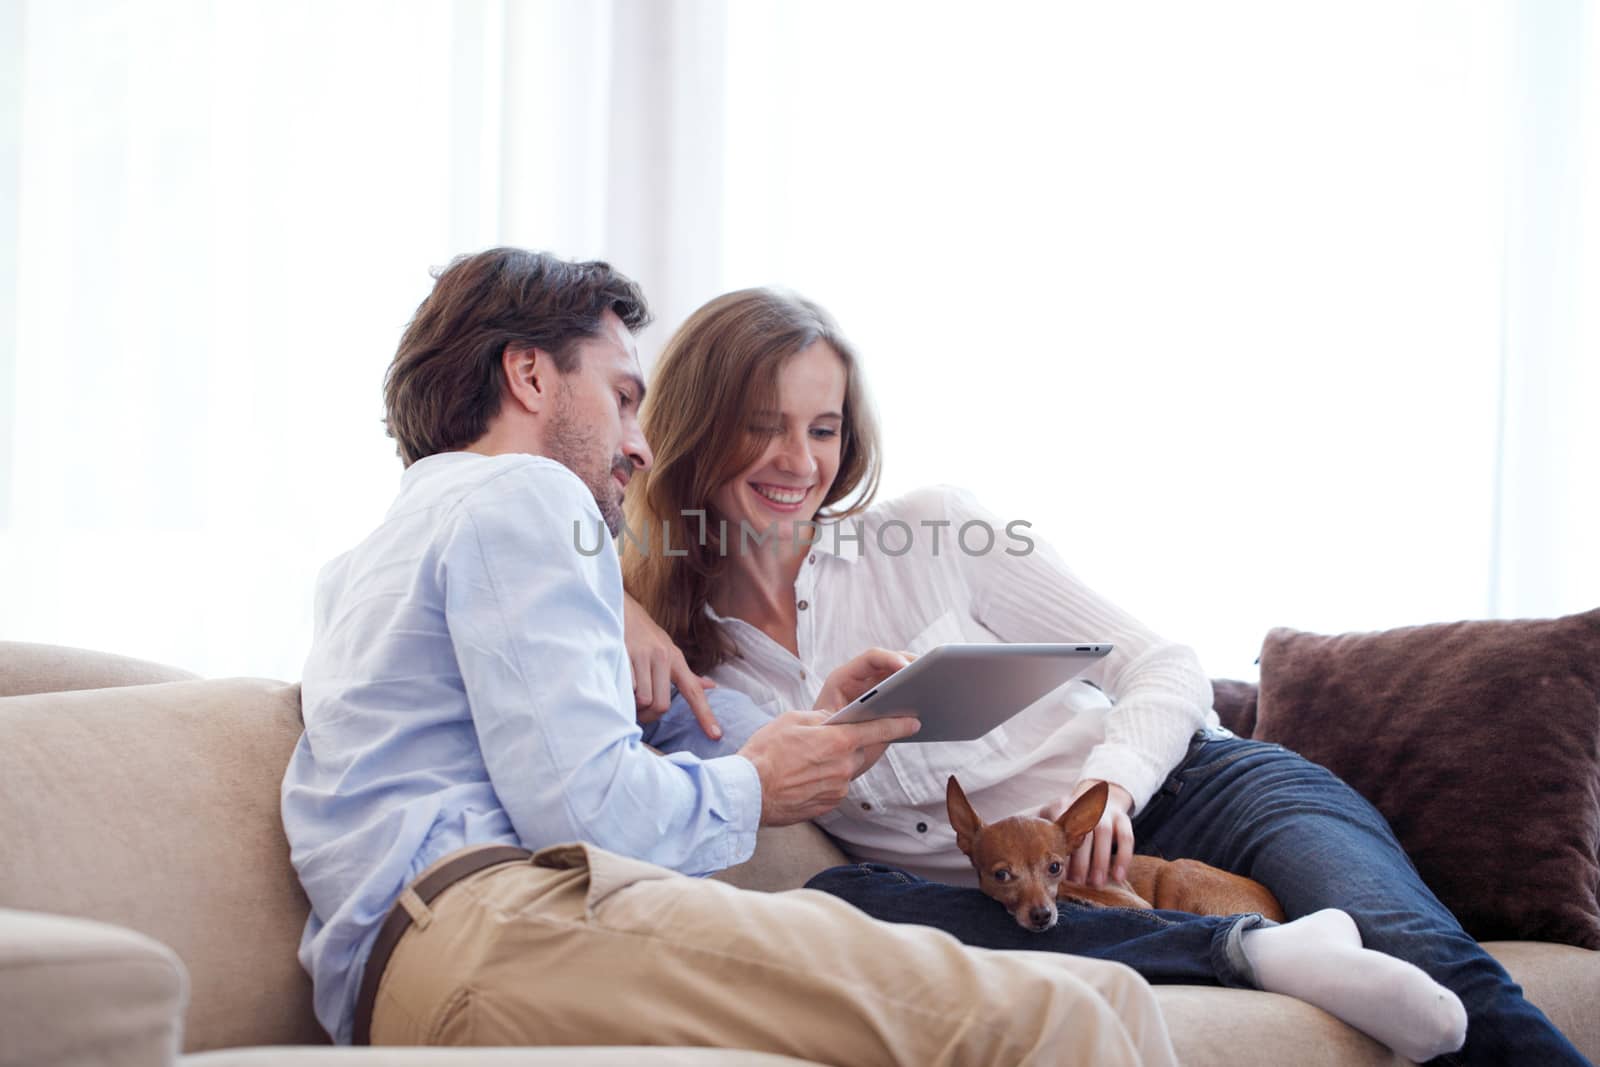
800 459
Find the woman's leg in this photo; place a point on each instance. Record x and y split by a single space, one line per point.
1318 958
1262 811
1164 946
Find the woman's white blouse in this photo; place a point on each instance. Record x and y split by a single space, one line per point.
921 571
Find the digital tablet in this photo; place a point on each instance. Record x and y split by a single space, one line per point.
961 692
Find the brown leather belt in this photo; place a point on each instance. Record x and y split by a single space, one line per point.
398 921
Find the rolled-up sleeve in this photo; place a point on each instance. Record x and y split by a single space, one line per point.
533 605
1027 594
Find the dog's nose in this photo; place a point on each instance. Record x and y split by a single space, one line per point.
1040 917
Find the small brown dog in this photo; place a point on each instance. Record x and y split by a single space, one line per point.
1021 862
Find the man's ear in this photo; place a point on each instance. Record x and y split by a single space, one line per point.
527 373
965 821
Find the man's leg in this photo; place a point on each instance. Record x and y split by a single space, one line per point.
1264 812
584 947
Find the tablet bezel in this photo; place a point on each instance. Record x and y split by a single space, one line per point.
955 670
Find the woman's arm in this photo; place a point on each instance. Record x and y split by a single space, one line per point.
658 667
1022 591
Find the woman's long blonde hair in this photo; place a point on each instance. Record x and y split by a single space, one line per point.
720 367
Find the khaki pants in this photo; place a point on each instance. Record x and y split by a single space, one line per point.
584 947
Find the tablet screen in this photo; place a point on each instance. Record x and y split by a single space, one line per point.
962 691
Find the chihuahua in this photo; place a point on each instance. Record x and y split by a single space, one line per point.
1022 861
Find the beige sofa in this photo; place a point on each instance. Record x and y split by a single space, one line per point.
148 911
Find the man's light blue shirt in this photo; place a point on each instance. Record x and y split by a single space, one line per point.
468 684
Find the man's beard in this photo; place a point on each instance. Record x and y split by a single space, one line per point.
572 444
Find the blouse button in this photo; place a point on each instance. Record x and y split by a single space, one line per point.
802 674
804 604
922 827
865 806
813 558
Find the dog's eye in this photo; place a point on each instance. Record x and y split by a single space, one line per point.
1002 876
1055 868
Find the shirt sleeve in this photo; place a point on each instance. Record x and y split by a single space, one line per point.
679 731
1022 592
533 601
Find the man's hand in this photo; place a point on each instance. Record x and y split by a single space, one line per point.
849 681
658 666
806 767
1092 862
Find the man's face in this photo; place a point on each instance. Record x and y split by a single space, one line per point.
594 428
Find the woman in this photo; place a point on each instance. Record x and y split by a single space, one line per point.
780 567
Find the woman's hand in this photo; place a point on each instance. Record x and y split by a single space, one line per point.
851 679
1092 862
658 666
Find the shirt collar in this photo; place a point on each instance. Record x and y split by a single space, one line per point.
435 461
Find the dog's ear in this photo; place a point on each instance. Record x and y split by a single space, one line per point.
1084 814
965 821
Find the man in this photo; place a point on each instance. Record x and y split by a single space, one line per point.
468 698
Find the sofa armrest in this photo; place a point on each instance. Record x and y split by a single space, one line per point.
82 992
29 668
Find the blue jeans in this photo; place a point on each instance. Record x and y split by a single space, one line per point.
1259 810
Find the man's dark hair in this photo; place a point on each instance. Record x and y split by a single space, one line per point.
445 382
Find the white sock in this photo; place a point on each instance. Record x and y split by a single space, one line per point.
1319 959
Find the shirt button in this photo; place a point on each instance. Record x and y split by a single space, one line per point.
813 558
804 604
922 827
865 806
802 674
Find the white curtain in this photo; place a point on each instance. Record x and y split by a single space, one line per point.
1265 314
1547 506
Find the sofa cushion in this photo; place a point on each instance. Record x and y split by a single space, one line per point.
546 1056
80 992
785 858
1478 741
30 668
155 807
1561 981
1246 1027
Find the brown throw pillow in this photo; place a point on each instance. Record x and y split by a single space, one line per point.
1479 742
1235 704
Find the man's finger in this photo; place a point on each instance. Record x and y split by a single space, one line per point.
866 757
692 688
882 731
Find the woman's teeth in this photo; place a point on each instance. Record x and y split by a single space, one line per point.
781 496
